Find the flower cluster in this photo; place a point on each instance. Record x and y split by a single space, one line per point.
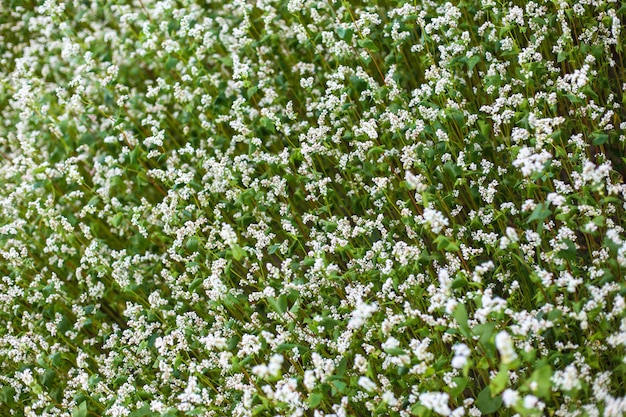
308 208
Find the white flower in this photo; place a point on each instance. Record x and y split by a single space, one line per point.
389 398
436 401
367 384
261 371
435 219
361 314
391 343
275 365
461 353
567 379
295 5
530 162
309 379
504 343
415 182
530 401
510 397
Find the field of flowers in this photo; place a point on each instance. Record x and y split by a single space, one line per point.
312 208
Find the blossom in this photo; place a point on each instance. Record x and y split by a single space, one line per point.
366 383
504 344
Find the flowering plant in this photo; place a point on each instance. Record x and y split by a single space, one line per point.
305 208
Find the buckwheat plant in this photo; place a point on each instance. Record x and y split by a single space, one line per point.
312 208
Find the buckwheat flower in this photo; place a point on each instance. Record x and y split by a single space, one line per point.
556 199
511 234
275 365
567 379
261 371
415 182
367 384
249 345
367 127
157 406
437 402
504 344
614 406
389 398
434 219
510 397
228 234
361 314
391 343
530 162
360 363
510 237
461 353
26 376
458 412
530 401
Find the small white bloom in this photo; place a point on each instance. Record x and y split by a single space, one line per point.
389 398
530 401
361 314
435 219
436 401
415 182
367 384
504 343
461 353
510 397
391 343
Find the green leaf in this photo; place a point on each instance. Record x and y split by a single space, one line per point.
117 219
195 284
542 376
288 346
47 379
471 62
273 248
278 304
600 138
133 155
238 252
338 387
172 412
345 34
368 44
7 395
460 315
540 213
498 384
81 410
141 412
268 123
459 282
55 359
395 351
315 399
487 403
461 383
192 243
251 91
444 243
341 368
375 151
420 410
484 331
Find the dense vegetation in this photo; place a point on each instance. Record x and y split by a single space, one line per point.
312 208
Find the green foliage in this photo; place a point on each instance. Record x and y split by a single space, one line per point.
281 208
